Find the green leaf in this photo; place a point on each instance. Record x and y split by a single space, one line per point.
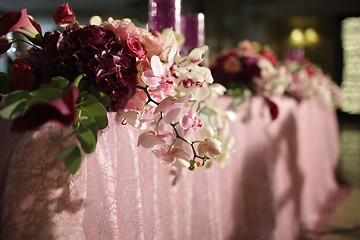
35 100
72 158
47 93
16 96
5 83
59 82
88 121
13 110
86 139
103 98
207 111
92 107
237 101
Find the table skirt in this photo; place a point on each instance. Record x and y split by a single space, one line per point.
280 174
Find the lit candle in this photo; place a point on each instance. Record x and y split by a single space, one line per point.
165 14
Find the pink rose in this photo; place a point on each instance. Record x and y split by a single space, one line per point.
23 78
152 41
64 14
61 111
136 46
5 44
122 29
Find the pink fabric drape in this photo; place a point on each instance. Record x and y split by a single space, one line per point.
279 176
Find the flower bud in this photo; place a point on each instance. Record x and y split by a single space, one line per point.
211 147
64 14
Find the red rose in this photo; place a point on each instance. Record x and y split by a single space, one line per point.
5 44
61 111
136 46
23 78
64 14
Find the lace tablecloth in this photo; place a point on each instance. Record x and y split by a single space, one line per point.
279 176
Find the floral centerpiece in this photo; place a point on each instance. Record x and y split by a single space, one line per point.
251 70
73 77
247 72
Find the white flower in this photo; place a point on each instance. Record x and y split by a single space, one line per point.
210 147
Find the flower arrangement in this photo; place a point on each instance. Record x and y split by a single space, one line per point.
251 70
73 77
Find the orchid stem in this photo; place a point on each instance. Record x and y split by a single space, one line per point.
145 89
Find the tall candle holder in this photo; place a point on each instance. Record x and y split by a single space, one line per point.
165 14
193 29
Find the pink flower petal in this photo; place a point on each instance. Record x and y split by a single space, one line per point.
158 69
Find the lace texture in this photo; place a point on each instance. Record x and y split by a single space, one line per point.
279 176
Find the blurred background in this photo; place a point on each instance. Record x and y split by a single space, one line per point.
328 31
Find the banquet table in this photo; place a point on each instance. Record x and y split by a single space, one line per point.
279 176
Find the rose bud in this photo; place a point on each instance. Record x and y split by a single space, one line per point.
64 15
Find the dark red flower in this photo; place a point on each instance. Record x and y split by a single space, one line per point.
64 14
5 44
136 46
273 108
61 111
116 75
23 78
21 22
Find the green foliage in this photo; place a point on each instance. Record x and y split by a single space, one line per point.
91 112
92 107
72 158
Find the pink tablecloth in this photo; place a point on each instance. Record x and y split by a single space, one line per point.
279 176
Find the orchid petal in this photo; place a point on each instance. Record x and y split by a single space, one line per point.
157 67
171 113
180 153
164 104
186 122
148 139
131 118
181 163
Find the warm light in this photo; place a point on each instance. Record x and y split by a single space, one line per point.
350 36
297 37
311 36
95 20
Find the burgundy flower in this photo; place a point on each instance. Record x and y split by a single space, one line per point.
61 111
136 46
64 14
21 22
116 75
23 78
5 44
273 108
